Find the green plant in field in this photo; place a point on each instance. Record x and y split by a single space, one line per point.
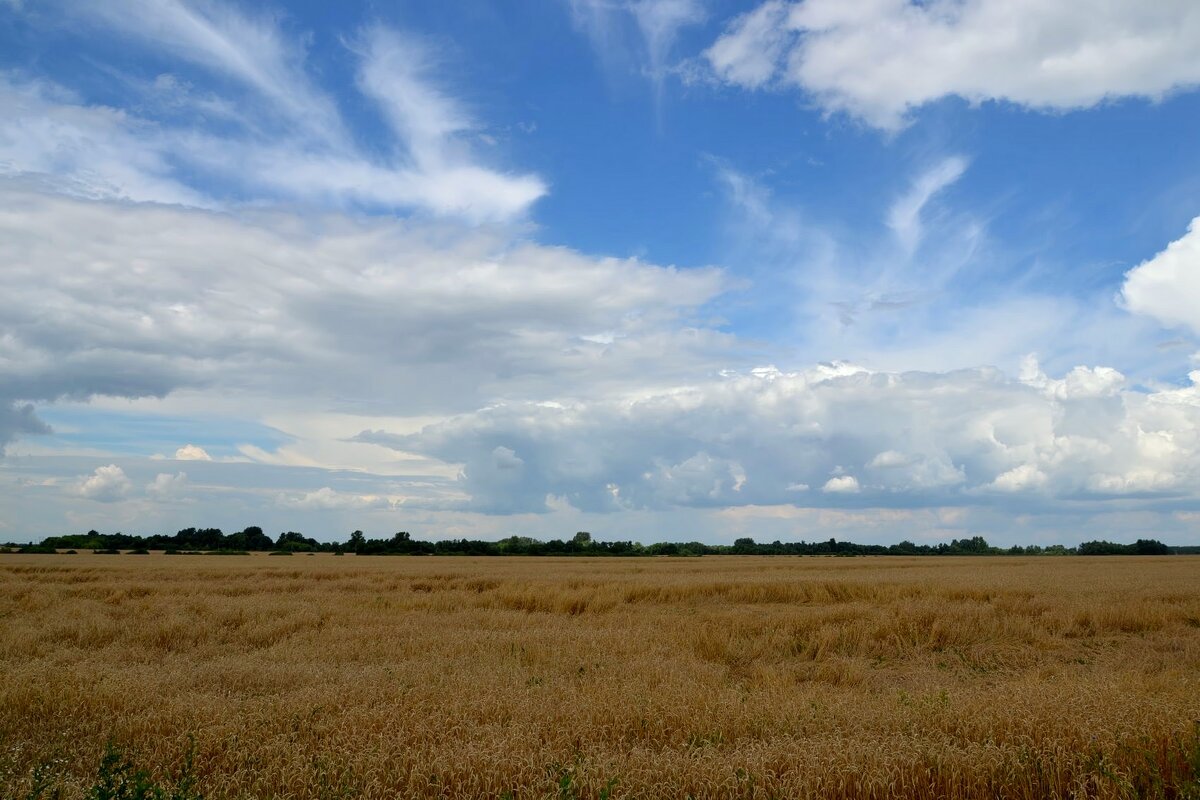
566 787
119 779
607 789
44 785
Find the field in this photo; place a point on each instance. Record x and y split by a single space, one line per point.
324 676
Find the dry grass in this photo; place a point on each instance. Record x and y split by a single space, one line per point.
717 677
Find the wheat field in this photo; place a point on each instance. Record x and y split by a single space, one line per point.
323 676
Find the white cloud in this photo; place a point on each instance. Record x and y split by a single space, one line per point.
749 52
1080 382
904 217
306 311
325 499
251 50
660 22
106 485
655 24
841 484
1021 478
1167 286
277 134
1138 480
395 72
92 151
191 452
879 60
166 486
753 439
888 458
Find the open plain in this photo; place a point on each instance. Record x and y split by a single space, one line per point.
324 676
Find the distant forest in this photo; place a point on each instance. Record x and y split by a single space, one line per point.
253 539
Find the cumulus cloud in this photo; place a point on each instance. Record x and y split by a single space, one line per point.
277 135
888 458
887 438
841 484
166 486
880 60
1080 382
107 484
1167 286
1017 479
191 452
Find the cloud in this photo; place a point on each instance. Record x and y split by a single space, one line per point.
395 72
166 486
660 22
1167 286
252 50
48 135
904 217
190 452
106 485
325 499
308 310
655 23
842 484
1020 478
17 419
1080 382
960 299
755 438
276 134
880 60
887 459
749 52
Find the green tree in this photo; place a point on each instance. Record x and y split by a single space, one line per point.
744 546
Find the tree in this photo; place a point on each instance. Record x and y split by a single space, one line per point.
356 541
255 539
296 542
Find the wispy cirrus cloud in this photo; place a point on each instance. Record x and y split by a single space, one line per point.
252 50
280 135
637 34
904 217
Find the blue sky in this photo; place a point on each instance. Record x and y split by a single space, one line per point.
649 268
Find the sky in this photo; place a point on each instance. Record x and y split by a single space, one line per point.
655 269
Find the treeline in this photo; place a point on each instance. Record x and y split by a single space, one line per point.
1142 547
253 539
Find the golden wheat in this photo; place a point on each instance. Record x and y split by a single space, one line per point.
322 676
